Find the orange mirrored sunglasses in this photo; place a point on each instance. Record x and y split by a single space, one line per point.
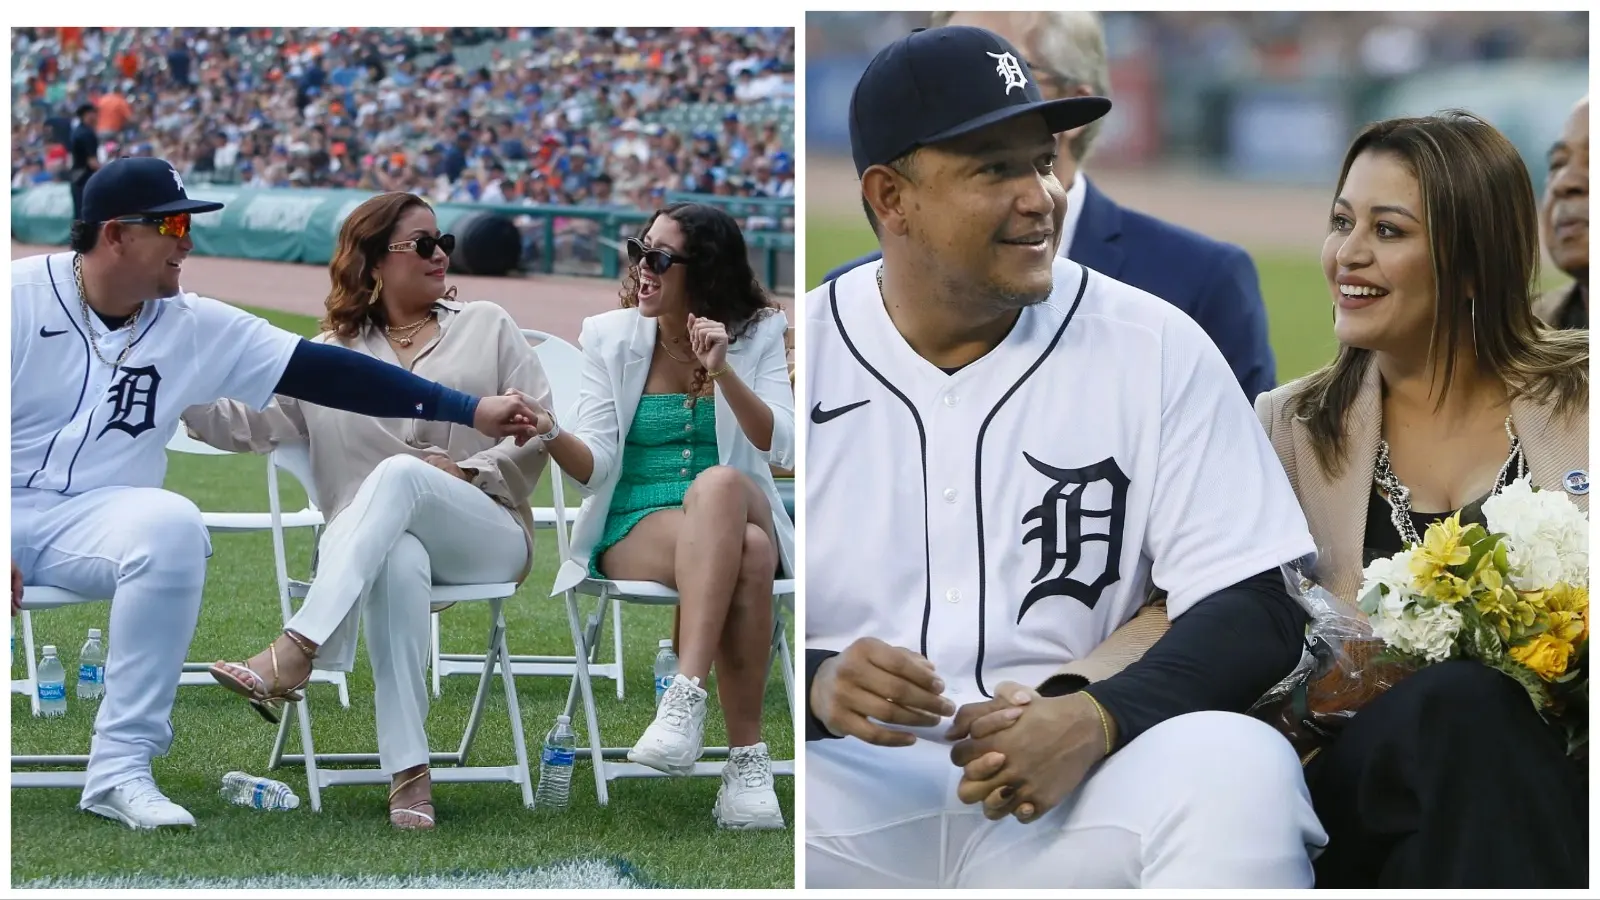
174 226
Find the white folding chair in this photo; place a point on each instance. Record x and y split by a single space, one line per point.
563 368
605 759
41 598
198 673
294 459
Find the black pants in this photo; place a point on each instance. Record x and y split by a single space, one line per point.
1451 780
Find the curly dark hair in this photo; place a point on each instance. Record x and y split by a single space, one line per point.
721 283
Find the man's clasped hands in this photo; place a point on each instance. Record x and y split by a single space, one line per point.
1020 753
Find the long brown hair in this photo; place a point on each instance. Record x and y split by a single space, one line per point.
1483 233
721 284
363 241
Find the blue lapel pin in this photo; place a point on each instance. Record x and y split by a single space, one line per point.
1576 482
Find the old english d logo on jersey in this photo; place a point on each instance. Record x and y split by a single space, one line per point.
1009 69
133 401
1061 534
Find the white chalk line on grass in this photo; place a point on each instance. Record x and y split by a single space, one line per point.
574 874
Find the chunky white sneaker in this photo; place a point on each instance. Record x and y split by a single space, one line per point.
673 742
746 800
140 804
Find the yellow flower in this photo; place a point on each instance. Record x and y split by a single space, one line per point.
1546 655
1441 548
1447 588
1569 612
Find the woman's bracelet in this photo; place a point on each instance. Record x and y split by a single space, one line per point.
719 373
1105 725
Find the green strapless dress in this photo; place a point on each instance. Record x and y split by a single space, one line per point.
668 445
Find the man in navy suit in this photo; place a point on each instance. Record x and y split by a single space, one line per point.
1214 282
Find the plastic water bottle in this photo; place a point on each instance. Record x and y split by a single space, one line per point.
244 789
555 766
666 669
92 668
52 684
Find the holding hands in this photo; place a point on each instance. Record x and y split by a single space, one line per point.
1022 754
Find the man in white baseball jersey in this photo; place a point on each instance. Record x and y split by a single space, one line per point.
106 352
1006 452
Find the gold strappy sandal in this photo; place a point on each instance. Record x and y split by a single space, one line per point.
267 699
413 809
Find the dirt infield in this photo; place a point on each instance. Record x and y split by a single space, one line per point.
1263 217
556 304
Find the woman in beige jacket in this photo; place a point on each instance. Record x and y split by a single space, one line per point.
409 503
1443 391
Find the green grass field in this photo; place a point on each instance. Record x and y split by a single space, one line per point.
658 831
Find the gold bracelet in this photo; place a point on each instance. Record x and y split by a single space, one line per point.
1105 725
713 376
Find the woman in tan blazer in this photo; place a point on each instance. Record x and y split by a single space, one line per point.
1444 389
409 504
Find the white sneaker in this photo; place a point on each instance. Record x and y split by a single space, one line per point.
140 804
673 742
746 800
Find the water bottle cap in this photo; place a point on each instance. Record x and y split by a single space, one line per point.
563 720
291 802
94 634
666 644
49 649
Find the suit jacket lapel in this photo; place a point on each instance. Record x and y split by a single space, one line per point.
1099 228
637 353
1348 494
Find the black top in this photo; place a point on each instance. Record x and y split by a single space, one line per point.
84 146
1383 540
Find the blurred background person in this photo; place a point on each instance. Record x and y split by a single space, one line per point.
1228 124
1442 393
1215 283
84 146
1564 222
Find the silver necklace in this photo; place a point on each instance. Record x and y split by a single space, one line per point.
83 303
1399 496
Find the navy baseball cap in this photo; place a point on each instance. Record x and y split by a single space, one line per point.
936 84
138 186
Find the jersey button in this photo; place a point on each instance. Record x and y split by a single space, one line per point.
953 595
949 495
949 399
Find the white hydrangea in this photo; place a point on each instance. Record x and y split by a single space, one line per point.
1411 628
1394 573
1547 536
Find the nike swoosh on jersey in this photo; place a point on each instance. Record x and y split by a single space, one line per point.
819 415
44 332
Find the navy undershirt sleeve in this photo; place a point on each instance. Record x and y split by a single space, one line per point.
354 382
814 661
1224 653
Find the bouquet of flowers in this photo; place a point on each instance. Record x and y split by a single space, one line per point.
1513 596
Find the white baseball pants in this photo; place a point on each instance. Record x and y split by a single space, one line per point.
1205 800
146 550
410 526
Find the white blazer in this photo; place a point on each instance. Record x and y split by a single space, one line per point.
617 348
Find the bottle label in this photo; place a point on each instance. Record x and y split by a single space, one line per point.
558 756
91 674
49 693
258 797
662 683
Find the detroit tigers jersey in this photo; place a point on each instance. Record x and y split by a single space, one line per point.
1005 519
77 424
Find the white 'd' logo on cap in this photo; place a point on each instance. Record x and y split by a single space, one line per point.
1011 71
175 178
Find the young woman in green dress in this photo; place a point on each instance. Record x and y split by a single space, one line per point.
685 407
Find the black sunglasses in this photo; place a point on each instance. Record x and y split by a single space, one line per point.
424 245
654 258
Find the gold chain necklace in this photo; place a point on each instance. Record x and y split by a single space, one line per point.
663 344
407 333
83 303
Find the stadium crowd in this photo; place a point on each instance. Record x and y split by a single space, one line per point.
580 117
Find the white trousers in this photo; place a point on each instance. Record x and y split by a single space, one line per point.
1205 800
145 549
410 526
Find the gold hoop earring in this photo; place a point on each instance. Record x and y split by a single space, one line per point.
377 288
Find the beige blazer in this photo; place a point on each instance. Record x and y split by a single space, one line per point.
478 349
1336 507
